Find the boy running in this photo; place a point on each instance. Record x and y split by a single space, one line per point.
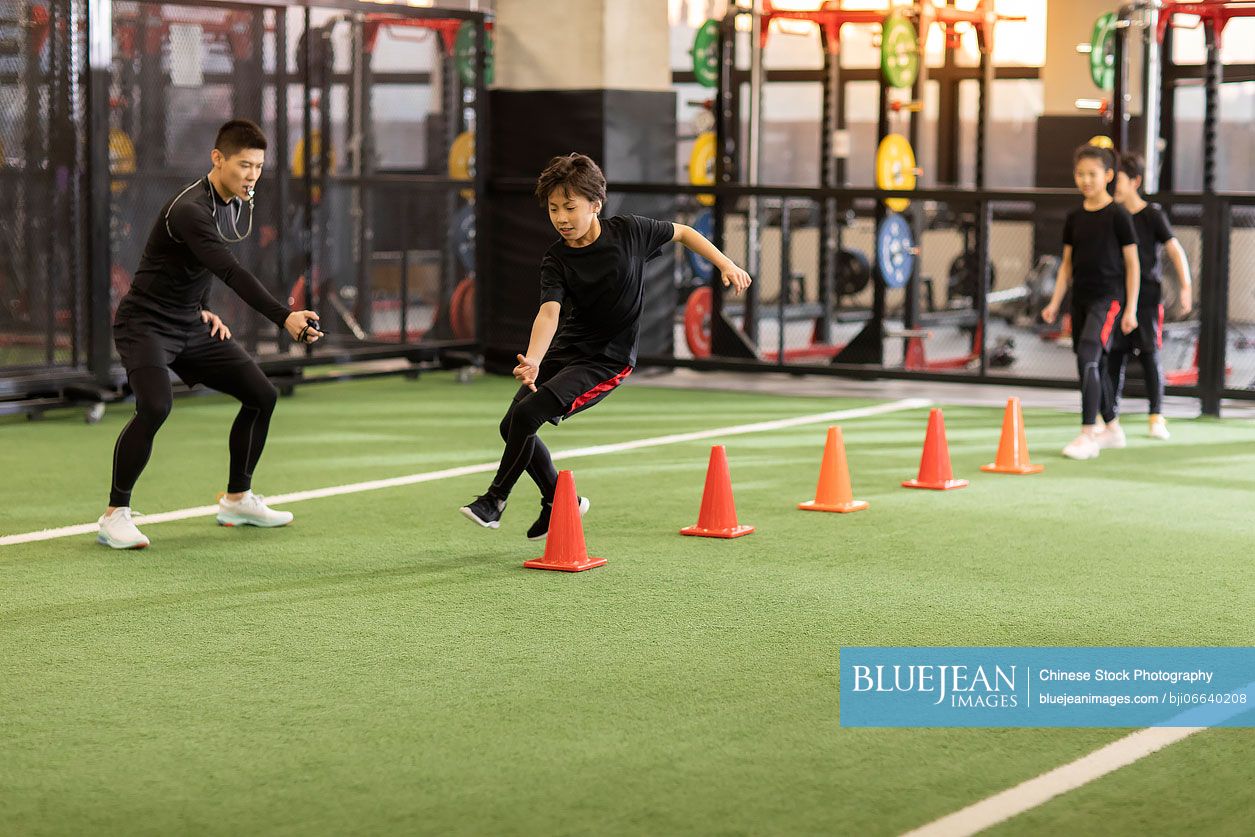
584 338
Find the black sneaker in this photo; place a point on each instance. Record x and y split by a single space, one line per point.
540 529
485 510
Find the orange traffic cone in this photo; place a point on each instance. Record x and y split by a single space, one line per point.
717 519
934 465
833 494
564 547
1013 447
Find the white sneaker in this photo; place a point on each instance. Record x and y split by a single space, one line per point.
250 510
1111 437
1084 446
1159 428
118 531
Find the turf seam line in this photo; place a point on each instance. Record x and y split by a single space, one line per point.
489 467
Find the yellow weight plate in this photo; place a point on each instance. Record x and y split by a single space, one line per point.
895 168
702 165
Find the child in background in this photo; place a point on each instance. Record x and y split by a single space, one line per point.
1100 261
1150 223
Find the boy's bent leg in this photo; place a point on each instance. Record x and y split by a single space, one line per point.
540 466
526 417
519 427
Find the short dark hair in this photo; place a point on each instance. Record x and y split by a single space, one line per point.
1133 165
574 173
239 135
1095 152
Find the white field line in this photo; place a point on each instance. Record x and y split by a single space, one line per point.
1027 795
488 467
1119 753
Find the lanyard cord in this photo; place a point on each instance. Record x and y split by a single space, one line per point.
235 218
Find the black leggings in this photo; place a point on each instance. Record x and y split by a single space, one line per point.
153 401
1095 384
523 448
1092 326
1152 374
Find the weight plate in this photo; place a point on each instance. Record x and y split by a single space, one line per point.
899 52
464 54
705 224
702 165
697 321
854 272
706 54
1102 52
894 244
895 168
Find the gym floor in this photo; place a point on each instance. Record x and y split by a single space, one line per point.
382 662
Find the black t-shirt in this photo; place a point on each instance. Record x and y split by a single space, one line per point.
186 249
1097 239
601 286
1153 231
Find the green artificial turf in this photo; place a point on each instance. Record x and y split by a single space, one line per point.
382 665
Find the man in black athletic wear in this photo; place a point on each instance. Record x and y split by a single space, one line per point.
591 298
163 323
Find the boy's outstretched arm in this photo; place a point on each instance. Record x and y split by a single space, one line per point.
732 275
543 329
1132 287
1182 265
1062 279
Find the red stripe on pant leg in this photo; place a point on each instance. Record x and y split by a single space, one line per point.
603 387
1159 334
1111 319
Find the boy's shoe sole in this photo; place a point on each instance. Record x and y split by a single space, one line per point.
474 518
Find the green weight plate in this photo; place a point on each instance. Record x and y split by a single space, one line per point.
899 52
1102 52
464 54
706 54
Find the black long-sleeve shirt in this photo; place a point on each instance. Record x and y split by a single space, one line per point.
185 250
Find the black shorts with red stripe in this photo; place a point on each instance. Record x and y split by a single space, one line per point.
578 381
1148 336
1095 320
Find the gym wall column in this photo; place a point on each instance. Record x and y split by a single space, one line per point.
593 77
1066 78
